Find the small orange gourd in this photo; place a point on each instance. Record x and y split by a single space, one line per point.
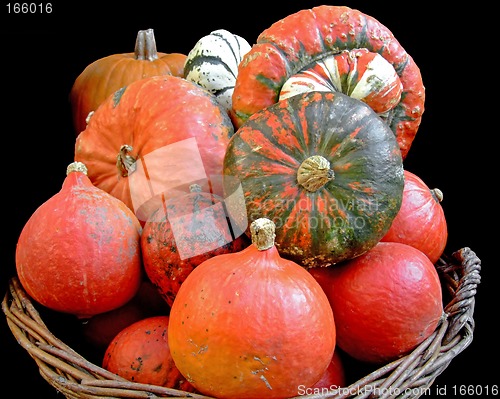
140 353
251 324
79 252
106 75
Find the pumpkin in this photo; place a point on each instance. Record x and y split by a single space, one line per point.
291 44
79 252
157 135
386 301
213 63
251 324
421 221
324 168
106 75
140 353
182 233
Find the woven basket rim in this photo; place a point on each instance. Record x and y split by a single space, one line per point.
409 376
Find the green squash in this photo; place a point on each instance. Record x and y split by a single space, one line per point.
324 168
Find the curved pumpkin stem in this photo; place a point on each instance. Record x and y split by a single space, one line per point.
314 173
145 46
124 161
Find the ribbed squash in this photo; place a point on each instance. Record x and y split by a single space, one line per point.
359 73
293 43
106 75
213 63
324 168
157 136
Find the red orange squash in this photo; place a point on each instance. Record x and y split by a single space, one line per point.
182 233
141 353
156 136
421 221
385 302
79 252
251 324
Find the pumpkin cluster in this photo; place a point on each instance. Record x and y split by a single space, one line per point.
238 219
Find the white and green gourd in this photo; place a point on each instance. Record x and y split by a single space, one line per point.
213 64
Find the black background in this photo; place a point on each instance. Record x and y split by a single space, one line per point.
42 54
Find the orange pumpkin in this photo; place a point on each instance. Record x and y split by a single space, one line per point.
385 301
157 136
104 76
420 222
141 353
251 324
79 252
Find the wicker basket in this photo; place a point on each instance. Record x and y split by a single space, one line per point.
407 377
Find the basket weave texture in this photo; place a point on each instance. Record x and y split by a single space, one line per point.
408 377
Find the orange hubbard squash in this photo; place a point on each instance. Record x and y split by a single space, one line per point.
182 233
79 252
420 222
251 324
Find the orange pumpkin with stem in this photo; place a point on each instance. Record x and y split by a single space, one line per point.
251 324
79 252
154 138
104 76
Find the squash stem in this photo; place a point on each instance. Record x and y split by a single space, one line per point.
145 46
314 173
263 233
76 167
124 161
437 194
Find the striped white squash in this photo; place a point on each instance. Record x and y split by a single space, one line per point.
359 73
213 64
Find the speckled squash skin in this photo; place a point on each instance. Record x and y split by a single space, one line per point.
79 252
181 234
360 182
297 40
